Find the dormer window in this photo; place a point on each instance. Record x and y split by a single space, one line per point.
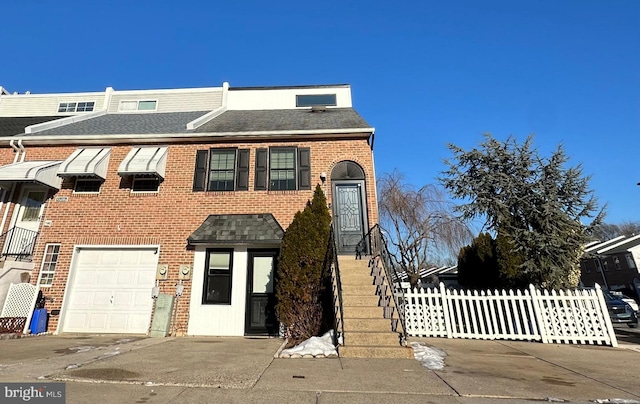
141 105
76 106
313 100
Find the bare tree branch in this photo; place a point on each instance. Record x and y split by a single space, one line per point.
420 224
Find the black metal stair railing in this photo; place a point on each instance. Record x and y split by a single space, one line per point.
380 257
18 242
331 273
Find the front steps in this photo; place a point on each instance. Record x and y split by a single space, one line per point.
367 333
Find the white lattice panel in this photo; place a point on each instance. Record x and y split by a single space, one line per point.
565 316
20 300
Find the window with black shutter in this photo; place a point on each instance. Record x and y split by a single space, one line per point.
221 170
283 169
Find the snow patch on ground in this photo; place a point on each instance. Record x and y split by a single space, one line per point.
431 358
315 346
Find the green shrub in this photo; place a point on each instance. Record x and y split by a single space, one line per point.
299 284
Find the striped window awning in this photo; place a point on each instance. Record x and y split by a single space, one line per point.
147 160
36 172
86 162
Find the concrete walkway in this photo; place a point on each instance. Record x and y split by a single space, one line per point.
124 369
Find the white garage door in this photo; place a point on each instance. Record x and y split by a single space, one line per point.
111 291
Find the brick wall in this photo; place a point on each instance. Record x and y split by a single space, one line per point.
116 216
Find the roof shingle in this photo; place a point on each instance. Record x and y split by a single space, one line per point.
283 120
10 126
238 229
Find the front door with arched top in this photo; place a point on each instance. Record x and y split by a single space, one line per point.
349 205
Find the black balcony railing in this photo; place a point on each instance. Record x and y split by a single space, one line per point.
19 243
382 262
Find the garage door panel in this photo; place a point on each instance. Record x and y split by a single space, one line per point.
98 321
141 298
75 321
105 279
111 291
85 279
80 299
119 321
100 300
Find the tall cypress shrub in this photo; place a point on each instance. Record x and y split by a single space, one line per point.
299 283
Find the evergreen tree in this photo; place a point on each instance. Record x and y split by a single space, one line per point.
478 264
535 203
299 283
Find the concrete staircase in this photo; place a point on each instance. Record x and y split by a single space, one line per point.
367 333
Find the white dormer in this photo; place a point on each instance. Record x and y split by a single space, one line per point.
295 97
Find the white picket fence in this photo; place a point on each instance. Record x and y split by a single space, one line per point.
564 316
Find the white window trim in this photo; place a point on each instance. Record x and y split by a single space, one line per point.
139 177
138 111
630 262
75 106
87 193
44 258
86 102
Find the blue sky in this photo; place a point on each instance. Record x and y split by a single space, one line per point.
423 73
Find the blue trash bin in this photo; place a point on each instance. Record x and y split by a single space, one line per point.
38 321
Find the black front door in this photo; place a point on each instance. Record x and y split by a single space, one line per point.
349 217
261 297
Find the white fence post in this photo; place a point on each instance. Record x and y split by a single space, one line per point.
603 307
445 309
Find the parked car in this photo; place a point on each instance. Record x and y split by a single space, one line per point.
619 310
630 301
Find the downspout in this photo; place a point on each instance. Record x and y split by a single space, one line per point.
16 149
24 152
6 202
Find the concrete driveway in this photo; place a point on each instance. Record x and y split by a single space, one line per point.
136 369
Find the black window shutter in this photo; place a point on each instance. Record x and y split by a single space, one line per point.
242 176
304 168
261 170
200 173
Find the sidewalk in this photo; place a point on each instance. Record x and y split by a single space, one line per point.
112 369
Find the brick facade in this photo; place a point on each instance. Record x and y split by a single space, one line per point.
116 216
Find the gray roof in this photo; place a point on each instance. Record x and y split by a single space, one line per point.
623 247
238 229
283 120
10 126
125 124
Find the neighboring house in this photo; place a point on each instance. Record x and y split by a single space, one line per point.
17 112
110 194
613 264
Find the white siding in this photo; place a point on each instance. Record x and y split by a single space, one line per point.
219 320
172 100
45 105
284 98
635 252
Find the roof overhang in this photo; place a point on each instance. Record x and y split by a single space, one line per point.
89 161
238 229
146 160
37 172
42 140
